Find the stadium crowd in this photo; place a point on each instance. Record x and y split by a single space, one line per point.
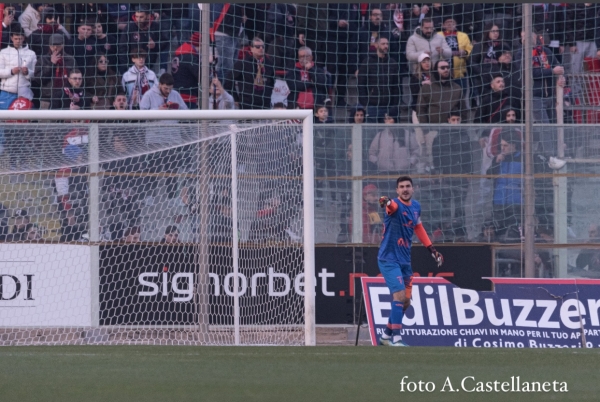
388 63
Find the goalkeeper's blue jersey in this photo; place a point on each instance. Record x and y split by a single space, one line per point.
398 231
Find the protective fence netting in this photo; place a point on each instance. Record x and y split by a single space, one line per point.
144 214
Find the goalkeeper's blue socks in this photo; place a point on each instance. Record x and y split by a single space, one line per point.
396 319
394 324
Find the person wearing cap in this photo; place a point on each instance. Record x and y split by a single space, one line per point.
49 25
17 65
52 70
421 76
185 67
83 47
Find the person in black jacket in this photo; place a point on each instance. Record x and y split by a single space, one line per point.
378 86
255 77
185 67
307 82
545 69
83 47
144 33
494 99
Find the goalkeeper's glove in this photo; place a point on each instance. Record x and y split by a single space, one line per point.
384 201
437 256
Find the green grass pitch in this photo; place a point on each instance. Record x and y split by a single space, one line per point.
283 374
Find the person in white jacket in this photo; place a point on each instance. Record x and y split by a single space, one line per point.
17 65
30 18
425 40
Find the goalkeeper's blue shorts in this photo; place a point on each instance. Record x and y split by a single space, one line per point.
397 276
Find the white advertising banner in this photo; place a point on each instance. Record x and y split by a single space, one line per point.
44 285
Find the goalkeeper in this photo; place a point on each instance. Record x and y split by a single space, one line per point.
401 221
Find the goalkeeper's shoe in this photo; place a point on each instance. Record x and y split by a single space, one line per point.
400 343
385 342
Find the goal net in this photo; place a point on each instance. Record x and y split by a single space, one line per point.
133 228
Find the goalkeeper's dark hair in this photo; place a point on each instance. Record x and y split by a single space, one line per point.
403 178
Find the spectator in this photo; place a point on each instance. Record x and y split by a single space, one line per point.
461 47
378 86
52 72
19 230
118 17
255 78
39 39
493 100
545 68
343 26
311 29
120 101
226 20
171 235
425 40
452 155
132 235
138 80
488 233
421 76
357 115
17 66
505 67
438 99
393 151
84 46
371 219
32 232
321 115
73 96
508 197
589 259
306 81
280 34
164 97
485 54
185 68
102 83
581 35
8 17
543 265
30 18
72 226
106 44
369 35
219 98
144 34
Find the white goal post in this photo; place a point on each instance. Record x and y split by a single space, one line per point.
211 126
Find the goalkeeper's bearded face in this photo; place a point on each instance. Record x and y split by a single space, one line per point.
405 190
